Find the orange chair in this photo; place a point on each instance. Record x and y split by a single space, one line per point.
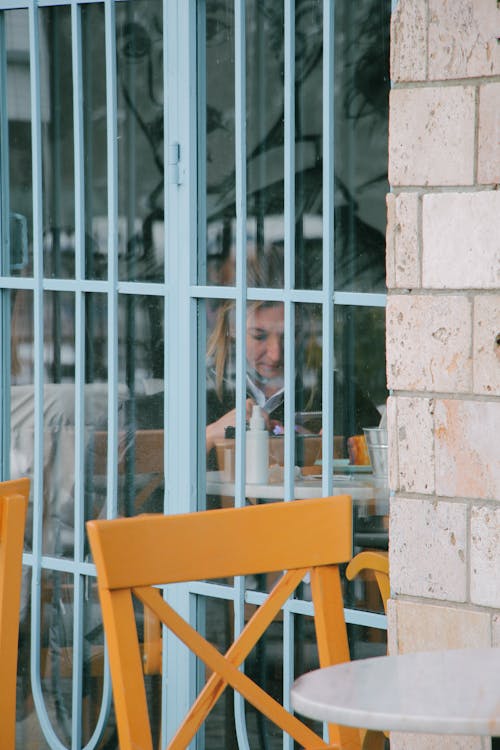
132 555
376 561
13 505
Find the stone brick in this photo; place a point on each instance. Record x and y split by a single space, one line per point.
488 159
463 39
466 447
428 343
415 445
485 556
461 241
486 345
392 641
392 435
409 41
431 136
427 627
390 257
406 242
427 549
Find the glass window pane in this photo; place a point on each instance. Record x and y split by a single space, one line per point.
215 619
141 357
139 27
59 423
308 122
94 137
140 460
361 117
360 390
265 126
18 112
57 138
217 382
217 139
56 657
22 353
21 431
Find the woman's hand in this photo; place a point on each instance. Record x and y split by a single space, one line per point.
216 430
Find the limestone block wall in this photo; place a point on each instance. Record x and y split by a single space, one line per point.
443 331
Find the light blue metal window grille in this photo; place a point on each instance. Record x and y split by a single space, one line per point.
116 121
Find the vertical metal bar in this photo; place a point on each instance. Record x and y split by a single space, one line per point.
80 436
38 328
181 424
348 320
240 316
79 510
89 180
202 143
130 299
289 239
200 263
241 243
5 295
328 243
288 668
289 320
328 249
36 146
112 294
173 700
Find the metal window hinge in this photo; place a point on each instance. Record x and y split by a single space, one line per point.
174 155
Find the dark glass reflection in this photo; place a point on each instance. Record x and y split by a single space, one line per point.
140 457
58 137
139 28
17 256
361 79
359 382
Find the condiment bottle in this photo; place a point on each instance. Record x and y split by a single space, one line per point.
257 448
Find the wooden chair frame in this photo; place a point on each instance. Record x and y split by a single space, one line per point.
134 555
13 505
376 562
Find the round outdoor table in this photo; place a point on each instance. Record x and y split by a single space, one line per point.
437 692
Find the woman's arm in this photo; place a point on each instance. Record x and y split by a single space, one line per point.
216 430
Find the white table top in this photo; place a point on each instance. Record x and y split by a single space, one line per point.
440 692
361 487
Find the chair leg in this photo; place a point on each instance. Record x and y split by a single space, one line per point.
373 740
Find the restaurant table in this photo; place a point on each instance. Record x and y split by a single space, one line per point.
361 487
436 692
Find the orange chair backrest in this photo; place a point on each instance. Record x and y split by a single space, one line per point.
13 504
134 554
376 561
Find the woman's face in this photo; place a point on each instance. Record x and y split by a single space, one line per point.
265 335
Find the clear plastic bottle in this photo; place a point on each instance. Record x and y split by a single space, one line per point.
257 448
